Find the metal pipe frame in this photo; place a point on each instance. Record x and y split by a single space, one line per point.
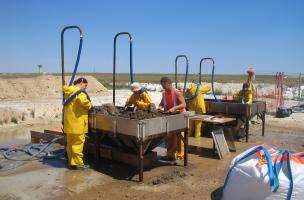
186 75
62 57
114 60
212 74
62 47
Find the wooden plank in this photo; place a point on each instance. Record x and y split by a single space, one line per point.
36 136
229 139
219 120
212 119
220 143
53 132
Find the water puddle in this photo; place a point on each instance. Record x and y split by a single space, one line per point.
19 135
14 137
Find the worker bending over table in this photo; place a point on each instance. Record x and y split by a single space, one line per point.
195 102
172 101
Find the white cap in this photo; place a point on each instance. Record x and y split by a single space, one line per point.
135 87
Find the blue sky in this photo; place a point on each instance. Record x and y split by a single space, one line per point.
265 34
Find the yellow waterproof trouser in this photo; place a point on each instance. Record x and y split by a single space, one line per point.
75 143
197 128
175 147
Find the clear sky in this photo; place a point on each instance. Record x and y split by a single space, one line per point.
265 34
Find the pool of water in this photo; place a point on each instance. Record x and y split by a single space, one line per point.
14 136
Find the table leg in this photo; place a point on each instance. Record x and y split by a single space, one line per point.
247 128
97 148
186 147
263 124
141 162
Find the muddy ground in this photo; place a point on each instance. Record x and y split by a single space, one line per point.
202 179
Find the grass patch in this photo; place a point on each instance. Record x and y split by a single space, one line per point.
14 120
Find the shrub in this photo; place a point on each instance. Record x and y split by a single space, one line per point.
218 92
14 120
33 114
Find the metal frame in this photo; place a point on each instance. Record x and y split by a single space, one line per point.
62 58
212 74
138 136
238 110
114 60
186 75
62 47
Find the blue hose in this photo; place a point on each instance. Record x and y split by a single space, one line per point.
39 153
131 64
212 84
77 62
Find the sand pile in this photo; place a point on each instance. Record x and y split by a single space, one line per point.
44 86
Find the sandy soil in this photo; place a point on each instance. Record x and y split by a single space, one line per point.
202 179
51 179
44 86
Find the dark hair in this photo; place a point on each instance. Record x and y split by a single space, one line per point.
245 86
165 80
80 80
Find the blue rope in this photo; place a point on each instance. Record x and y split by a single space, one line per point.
278 166
77 62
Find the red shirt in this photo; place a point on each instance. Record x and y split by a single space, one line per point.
170 100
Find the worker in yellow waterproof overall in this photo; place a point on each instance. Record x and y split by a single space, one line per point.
76 106
195 102
243 96
172 101
140 98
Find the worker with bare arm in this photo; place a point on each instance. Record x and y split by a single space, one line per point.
172 101
76 106
243 96
195 102
140 98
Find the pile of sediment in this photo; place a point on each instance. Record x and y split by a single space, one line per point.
44 86
109 109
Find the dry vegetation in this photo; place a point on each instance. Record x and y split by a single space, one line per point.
121 79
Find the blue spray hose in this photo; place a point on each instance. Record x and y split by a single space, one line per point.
40 153
212 75
212 84
77 62
131 64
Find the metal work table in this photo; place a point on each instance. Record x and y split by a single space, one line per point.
238 110
137 136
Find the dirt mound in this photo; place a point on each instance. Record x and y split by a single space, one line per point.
44 86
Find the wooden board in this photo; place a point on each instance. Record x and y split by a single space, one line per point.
229 139
37 136
220 143
212 119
